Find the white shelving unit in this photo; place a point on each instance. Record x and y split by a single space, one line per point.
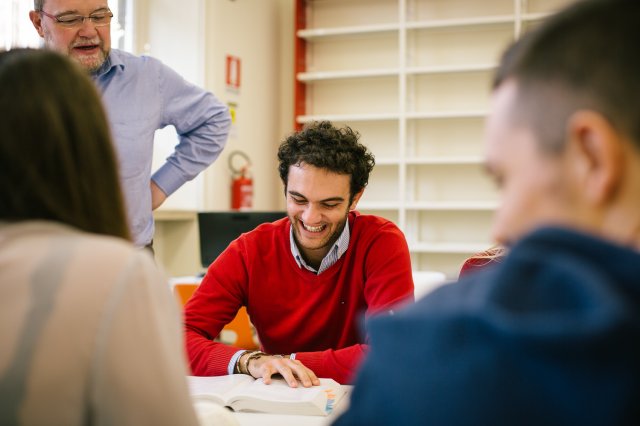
413 77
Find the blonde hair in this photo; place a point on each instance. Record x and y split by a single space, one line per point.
491 254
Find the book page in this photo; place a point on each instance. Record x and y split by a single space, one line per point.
218 389
278 397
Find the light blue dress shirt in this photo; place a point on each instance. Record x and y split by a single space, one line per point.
142 95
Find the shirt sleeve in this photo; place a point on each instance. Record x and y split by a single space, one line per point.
202 123
139 369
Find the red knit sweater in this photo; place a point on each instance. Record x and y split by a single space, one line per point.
294 310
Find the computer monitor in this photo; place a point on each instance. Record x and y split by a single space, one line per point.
218 229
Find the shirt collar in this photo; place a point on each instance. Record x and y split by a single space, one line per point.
113 60
335 253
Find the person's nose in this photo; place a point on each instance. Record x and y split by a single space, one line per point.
87 28
311 214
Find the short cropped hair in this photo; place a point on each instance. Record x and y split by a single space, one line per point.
585 57
322 145
56 154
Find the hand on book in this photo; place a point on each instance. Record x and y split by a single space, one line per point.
291 370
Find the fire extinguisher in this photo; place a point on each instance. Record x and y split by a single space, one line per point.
241 183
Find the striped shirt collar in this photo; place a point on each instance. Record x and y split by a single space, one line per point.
339 248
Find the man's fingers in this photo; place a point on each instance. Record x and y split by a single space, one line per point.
291 371
286 373
266 374
313 379
306 376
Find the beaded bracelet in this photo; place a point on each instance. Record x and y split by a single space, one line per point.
237 369
252 355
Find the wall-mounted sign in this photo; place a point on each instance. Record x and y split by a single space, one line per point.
232 73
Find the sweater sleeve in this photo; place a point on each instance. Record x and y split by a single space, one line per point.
213 305
339 364
388 283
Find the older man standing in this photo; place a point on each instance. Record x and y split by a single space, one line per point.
141 95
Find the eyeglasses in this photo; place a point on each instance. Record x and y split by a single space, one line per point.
99 19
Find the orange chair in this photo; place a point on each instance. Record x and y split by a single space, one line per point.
239 332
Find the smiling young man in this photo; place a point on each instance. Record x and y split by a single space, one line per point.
307 279
141 95
550 335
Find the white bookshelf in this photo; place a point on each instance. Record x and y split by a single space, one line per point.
413 77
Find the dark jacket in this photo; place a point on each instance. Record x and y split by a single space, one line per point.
548 336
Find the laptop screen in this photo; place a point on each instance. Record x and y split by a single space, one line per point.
218 229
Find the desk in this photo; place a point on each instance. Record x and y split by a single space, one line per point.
263 419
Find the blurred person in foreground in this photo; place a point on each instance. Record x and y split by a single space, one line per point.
551 333
89 332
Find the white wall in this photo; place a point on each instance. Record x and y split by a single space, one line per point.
194 37
251 30
174 34
286 26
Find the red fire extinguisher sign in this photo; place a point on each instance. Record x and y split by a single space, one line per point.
241 183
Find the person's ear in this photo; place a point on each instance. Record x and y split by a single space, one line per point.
36 20
598 160
355 200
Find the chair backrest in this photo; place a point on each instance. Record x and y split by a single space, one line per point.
426 281
183 292
239 332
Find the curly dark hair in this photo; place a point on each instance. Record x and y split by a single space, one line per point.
322 145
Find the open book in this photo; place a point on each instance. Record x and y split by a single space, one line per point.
241 392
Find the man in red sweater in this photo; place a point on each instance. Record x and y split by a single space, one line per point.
308 279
